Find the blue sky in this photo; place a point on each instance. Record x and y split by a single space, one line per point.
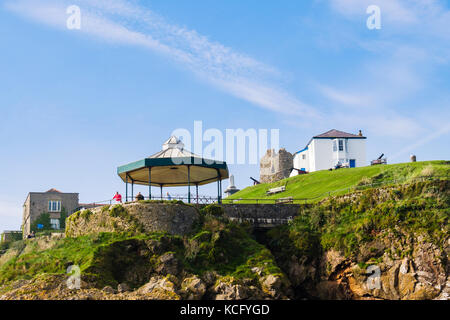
78 103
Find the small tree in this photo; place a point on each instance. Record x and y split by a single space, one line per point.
44 220
62 219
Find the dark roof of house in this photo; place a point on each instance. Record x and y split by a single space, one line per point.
333 134
338 134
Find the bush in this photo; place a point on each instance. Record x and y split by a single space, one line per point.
43 219
118 211
85 214
214 210
62 219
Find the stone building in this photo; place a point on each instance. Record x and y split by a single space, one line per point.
275 166
10 236
52 202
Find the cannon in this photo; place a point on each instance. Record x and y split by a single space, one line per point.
380 160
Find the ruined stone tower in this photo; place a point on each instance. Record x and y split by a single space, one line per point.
275 166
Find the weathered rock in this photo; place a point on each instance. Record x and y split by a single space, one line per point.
108 289
389 282
168 264
332 261
371 250
210 277
193 288
299 270
406 284
429 268
272 285
230 291
123 287
159 288
147 217
330 290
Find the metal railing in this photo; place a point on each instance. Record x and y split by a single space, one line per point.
200 200
205 200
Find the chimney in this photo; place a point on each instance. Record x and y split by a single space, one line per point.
360 133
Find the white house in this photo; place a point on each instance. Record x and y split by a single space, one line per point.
326 150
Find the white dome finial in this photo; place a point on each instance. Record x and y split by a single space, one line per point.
173 142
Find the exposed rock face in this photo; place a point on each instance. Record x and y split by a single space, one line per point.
159 287
193 288
275 166
109 290
227 291
176 219
168 264
123 287
421 275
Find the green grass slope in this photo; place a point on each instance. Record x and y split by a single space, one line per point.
317 185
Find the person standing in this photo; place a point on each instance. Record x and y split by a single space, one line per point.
118 197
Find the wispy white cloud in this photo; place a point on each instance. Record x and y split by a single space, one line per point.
345 98
124 22
414 146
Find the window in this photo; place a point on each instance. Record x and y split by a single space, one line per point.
54 206
303 156
341 145
54 223
334 146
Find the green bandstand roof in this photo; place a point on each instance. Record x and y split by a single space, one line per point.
173 166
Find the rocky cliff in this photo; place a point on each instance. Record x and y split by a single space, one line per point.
218 259
384 243
387 243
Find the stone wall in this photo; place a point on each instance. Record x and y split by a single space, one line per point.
177 219
261 215
275 166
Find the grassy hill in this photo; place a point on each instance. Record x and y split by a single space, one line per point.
315 186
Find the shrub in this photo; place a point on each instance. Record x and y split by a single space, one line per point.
213 210
85 214
118 211
62 219
44 220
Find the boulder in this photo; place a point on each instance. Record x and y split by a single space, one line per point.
193 288
158 288
168 264
109 290
229 289
123 287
